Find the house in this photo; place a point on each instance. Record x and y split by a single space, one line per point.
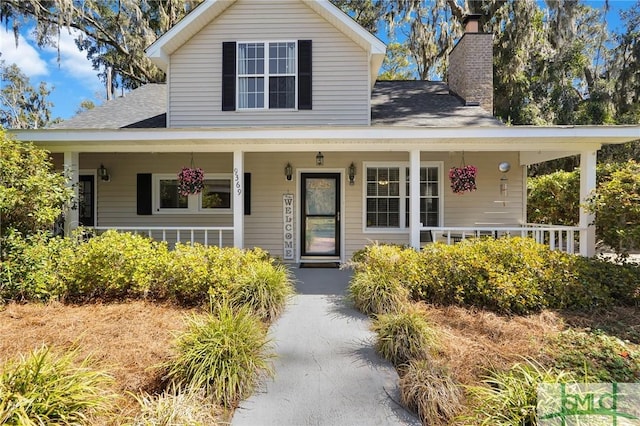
305 154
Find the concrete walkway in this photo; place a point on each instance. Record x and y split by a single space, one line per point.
326 370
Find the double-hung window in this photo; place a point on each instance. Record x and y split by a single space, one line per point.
267 75
387 195
216 196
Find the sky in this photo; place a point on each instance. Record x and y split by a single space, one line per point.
73 79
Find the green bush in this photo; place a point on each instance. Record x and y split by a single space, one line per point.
225 353
264 288
616 205
43 388
33 267
431 392
404 336
114 266
32 194
508 398
600 357
505 275
554 198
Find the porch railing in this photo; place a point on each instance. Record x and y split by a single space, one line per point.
177 234
564 238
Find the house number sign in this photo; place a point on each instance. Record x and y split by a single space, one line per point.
287 210
236 180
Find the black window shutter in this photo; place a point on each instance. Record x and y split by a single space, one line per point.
304 74
229 76
247 194
144 194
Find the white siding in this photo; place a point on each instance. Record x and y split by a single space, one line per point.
340 68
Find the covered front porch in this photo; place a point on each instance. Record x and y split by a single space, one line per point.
254 164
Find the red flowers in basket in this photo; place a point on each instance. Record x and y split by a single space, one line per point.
463 179
190 181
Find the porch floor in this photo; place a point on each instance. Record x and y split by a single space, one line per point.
326 370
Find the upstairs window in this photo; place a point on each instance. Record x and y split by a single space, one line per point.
267 65
266 75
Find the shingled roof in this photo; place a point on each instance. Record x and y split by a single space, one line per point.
393 103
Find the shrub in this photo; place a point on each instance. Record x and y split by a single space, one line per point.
225 353
508 398
616 205
43 388
264 288
173 407
554 198
431 392
114 266
32 194
32 267
600 357
404 336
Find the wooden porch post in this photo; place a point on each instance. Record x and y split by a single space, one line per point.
414 199
238 199
71 170
587 184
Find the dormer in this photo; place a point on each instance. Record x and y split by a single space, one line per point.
239 63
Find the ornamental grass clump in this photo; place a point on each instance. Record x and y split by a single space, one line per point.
404 336
507 398
264 288
225 353
176 407
373 293
429 390
44 388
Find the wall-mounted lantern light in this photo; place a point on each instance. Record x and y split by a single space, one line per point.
504 167
288 171
319 159
352 174
103 173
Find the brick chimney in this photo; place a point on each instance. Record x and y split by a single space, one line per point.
470 74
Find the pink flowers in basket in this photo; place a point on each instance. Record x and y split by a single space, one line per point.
463 178
190 181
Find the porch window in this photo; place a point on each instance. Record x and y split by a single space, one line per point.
387 195
267 75
215 197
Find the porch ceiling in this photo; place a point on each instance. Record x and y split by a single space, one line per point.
534 140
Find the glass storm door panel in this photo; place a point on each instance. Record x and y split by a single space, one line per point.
320 214
86 198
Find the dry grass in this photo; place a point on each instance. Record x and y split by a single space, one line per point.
474 340
126 339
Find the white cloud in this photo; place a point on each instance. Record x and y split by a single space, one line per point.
24 55
73 62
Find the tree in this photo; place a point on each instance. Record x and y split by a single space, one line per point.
32 195
113 33
85 105
21 105
396 65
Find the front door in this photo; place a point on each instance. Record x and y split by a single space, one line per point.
320 214
87 200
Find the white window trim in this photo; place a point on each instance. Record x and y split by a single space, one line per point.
266 76
194 201
403 228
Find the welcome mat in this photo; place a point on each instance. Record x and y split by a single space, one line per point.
331 265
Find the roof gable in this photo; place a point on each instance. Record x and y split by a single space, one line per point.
160 51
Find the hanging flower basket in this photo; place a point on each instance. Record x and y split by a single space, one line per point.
190 181
463 179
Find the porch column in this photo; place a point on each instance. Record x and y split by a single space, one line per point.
587 184
71 170
238 199
414 199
